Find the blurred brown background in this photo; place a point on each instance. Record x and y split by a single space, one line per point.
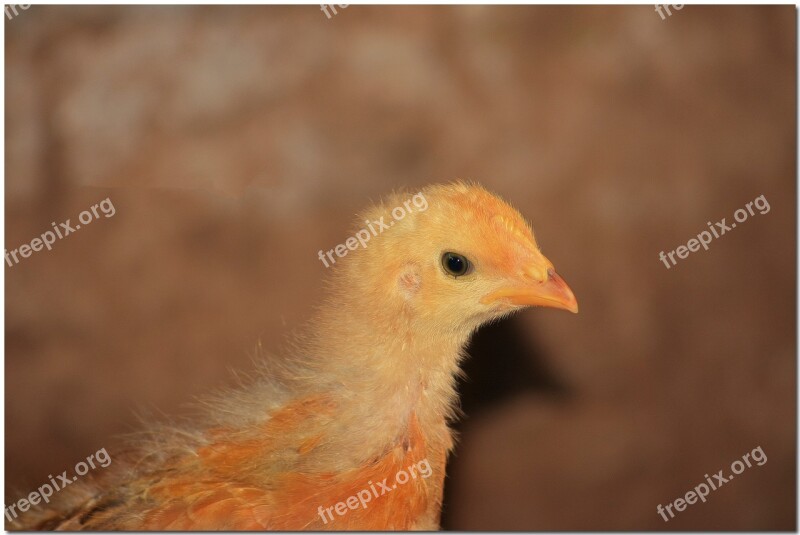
235 142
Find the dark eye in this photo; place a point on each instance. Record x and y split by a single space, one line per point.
456 264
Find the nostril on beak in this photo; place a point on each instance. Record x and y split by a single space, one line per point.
538 274
535 274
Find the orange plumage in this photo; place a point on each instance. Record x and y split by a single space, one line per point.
363 394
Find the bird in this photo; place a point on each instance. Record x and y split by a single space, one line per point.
347 427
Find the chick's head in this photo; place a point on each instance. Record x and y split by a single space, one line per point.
458 257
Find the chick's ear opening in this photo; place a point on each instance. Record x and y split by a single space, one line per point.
409 281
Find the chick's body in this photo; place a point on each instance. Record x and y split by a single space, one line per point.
364 392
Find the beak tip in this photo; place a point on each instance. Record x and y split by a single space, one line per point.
570 305
573 304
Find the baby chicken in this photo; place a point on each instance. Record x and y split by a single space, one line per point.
348 429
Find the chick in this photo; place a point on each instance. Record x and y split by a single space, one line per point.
348 429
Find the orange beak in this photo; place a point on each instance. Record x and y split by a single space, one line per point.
552 292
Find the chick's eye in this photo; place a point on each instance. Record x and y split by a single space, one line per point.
456 264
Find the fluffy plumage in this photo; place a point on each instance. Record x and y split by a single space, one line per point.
365 390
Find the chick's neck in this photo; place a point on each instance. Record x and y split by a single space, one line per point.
374 354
